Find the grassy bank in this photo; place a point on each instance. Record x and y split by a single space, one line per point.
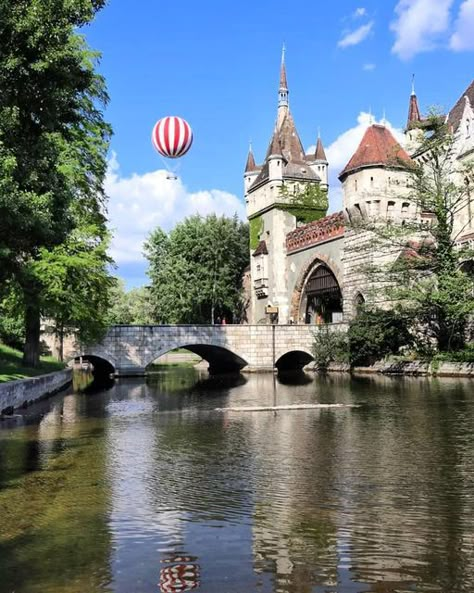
11 367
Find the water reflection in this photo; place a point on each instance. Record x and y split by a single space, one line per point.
111 491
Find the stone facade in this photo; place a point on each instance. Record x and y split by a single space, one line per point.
130 349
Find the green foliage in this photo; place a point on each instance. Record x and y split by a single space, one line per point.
329 346
196 270
75 284
130 308
53 141
12 368
374 334
307 204
12 325
255 228
465 355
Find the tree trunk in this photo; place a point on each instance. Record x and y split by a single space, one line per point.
31 351
61 343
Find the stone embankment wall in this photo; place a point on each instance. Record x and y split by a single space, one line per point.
443 369
15 394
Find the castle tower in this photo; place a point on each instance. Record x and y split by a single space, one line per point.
375 184
286 169
375 180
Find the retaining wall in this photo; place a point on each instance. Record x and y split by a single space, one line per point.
15 394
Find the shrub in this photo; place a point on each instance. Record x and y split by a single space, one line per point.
329 346
374 334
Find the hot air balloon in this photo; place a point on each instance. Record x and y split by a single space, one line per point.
172 138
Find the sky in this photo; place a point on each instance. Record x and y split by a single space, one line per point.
217 63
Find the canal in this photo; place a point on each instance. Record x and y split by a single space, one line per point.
144 487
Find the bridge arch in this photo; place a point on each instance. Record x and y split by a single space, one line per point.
103 365
293 360
220 358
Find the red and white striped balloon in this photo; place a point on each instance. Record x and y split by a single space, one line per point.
172 137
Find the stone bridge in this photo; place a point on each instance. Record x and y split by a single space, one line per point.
129 349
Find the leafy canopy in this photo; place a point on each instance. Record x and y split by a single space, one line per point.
196 270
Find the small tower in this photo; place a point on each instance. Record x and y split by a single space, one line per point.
320 164
251 171
413 130
375 180
275 159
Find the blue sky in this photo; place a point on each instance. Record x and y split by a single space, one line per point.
217 65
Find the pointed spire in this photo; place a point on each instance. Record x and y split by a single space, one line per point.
283 90
250 165
320 155
283 81
414 115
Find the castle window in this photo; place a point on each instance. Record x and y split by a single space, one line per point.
371 181
355 184
468 128
405 207
376 207
390 209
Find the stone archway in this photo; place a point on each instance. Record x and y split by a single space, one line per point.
298 302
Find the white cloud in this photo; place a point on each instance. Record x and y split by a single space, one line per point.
341 150
359 12
419 26
139 203
355 37
463 36
368 67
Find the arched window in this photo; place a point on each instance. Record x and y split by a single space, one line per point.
359 302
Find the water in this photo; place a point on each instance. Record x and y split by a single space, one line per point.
145 488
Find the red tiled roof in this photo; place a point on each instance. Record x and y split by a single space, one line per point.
456 113
378 147
324 229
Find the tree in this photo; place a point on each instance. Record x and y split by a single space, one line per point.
53 140
132 307
427 279
196 270
75 285
375 333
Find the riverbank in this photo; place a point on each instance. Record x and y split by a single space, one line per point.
11 367
23 392
410 368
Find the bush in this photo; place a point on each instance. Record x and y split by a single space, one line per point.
329 346
465 355
374 334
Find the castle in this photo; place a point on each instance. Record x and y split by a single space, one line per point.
312 273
